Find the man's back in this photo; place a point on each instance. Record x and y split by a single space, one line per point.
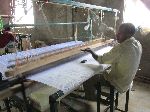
124 59
126 64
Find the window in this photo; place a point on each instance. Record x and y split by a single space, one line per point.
137 13
24 12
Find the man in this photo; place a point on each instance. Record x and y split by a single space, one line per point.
6 39
124 59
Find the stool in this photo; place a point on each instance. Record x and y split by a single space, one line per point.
111 98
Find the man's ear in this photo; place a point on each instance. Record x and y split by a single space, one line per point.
128 35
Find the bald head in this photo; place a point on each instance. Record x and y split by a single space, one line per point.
126 30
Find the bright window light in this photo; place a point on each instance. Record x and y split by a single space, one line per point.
137 13
24 12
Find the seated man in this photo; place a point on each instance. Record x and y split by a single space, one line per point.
7 40
124 59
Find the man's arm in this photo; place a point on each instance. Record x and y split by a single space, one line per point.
112 56
94 55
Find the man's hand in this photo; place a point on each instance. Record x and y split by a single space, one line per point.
94 55
87 50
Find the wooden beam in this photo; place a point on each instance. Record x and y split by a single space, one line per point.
6 16
65 53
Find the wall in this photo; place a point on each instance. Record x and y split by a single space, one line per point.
143 73
115 4
5 9
60 13
52 13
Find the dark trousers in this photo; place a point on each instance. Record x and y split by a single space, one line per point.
90 86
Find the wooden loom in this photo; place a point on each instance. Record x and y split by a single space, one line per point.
53 57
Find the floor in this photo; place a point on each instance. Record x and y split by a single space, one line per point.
139 101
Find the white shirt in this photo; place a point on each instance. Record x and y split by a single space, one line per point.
124 59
